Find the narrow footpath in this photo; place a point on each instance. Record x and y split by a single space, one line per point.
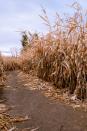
44 114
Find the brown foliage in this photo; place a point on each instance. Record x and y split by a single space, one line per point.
61 55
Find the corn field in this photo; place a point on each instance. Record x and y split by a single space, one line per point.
7 64
60 56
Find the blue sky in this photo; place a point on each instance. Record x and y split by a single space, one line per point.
18 15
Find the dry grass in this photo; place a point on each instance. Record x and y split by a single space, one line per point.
1 65
10 63
7 64
8 123
60 56
1 71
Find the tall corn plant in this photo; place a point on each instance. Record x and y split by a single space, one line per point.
60 56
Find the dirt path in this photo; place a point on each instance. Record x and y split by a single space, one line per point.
46 115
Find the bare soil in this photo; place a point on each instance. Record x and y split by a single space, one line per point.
26 98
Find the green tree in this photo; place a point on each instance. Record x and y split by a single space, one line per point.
25 40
